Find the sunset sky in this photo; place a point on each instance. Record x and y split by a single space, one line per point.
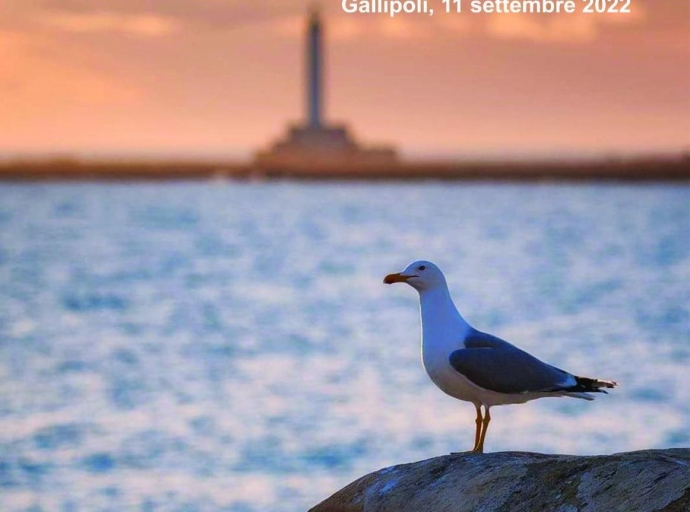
224 77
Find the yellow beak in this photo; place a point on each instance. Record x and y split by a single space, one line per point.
396 278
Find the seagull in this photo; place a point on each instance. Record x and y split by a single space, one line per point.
477 367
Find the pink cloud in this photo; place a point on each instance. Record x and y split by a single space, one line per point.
148 25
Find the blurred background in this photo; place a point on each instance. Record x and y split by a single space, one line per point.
229 345
221 78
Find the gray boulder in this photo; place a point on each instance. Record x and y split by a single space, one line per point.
644 481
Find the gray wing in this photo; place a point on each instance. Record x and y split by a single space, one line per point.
479 339
496 365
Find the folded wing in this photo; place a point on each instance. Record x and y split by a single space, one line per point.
494 364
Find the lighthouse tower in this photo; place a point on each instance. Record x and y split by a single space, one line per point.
314 78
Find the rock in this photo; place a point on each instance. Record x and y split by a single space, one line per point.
644 481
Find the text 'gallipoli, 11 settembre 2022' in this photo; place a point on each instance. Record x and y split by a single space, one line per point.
395 7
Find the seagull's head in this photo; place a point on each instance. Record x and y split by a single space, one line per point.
420 275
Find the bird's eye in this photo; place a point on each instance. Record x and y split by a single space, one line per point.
421 267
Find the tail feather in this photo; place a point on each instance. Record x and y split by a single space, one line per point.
587 385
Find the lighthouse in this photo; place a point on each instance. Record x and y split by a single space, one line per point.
314 143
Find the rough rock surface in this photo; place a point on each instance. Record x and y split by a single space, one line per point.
644 481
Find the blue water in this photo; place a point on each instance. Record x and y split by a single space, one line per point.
206 347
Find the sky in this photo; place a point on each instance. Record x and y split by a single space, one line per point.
223 78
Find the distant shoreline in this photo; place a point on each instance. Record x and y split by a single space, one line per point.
674 169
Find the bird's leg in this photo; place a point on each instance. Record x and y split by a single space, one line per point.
485 424
478 430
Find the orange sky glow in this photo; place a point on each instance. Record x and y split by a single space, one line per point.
222 78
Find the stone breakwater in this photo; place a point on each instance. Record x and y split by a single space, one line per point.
674 168
649 480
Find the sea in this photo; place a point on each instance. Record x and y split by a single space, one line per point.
230 346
